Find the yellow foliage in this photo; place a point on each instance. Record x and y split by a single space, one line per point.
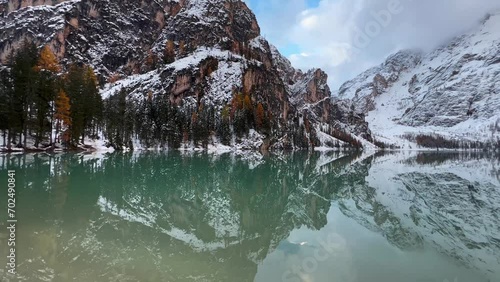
236 103
151 60
63 107
63 115
48 61
247 103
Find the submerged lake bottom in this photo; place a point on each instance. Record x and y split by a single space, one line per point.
305 217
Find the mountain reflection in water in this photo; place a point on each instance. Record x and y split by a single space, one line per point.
288 217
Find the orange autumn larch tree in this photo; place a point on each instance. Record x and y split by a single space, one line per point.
247 103
259 116
48 61
62 115
48 67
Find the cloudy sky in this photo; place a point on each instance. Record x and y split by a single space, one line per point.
345 37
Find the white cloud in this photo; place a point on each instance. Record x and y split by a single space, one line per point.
310 22
344 37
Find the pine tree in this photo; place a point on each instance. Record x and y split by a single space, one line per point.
224 126
5 96
238 115
86 102
74 88
248 112
93 106
24 82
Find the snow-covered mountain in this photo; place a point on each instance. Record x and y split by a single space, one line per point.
452 91
192 53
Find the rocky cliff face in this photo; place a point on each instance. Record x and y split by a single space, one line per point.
452 90
110 36
365 88
191 51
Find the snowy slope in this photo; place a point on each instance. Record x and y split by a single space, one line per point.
190 53
452 91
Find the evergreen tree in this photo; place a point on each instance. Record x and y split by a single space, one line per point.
200 125
115 114
238 117
174 126
92 103
24 80
119 120
5 97
86 102
248 112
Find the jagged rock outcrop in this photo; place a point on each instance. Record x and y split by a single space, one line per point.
90 32
312 96
7 6
363 89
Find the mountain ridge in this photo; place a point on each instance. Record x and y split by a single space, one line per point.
196 54
450 91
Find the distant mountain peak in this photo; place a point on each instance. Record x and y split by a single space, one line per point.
452 90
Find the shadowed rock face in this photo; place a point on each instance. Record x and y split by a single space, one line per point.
8 6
